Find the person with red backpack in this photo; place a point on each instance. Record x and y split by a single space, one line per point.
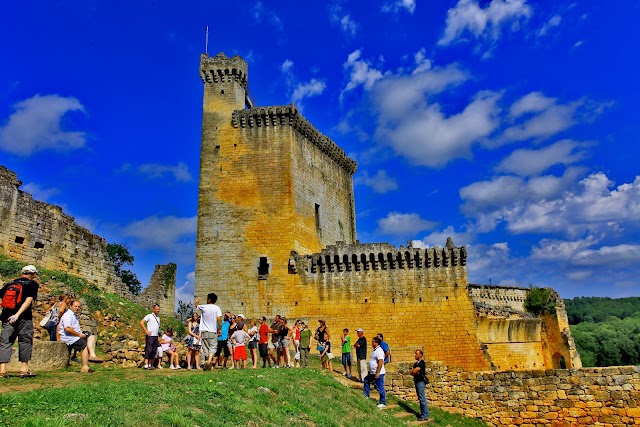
17 297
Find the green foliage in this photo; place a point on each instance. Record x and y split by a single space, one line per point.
269 397
614 342
120 256
539 301
10 268
599 309
184 311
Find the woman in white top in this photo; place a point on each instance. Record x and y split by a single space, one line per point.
170 348
253 343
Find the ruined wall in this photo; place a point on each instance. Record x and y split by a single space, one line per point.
161 289
39 233
577 397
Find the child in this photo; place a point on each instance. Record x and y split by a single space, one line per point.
326 356
239 339
346 353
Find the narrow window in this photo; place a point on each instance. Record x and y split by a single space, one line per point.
318 229
19 240
263 268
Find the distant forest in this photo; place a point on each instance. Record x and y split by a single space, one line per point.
606 330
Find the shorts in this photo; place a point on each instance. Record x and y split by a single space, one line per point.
78 345
284 343
275 344
253 344
223 346
240 353
264 350
209 343
346 359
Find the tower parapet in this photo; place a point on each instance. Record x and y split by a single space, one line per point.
288 115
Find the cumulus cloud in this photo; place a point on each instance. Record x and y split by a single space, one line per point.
35 125
530 162
361 72
468 18
343 19
306 90
154 170
612 256
399 5
286 66
40 193
403 224
381 182
559 206
171 235
185 292
439 238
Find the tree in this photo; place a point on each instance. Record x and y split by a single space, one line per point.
120 256
539 301
185 310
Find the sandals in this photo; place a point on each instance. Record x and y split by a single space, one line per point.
27 374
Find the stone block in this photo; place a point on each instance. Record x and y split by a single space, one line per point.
46 356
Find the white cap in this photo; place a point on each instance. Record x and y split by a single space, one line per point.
29 269
240 315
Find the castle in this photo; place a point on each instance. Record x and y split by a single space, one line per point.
276 235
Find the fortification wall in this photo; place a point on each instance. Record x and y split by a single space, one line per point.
161 289
39 233
577 397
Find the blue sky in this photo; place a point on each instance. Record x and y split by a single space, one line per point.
510 126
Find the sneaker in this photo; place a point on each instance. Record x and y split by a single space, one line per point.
382 406
145 367
160 367
344 374
172 367
178 367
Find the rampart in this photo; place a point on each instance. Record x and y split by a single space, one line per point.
36 232
576 397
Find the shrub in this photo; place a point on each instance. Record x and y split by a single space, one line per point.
539 301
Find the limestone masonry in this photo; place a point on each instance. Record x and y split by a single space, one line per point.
39 233
277 235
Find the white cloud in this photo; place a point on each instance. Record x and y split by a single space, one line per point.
422 62
305 90
403 224
154 170
560 250
36 125
439 238
578 43
467 17
380 183
362 72
343 19
397 5
348 25
184 293
286 66
553 22
612 256
262 14
527 162
172 235
40 193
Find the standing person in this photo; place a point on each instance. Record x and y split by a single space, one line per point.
320 331
195 342
385 348
239 339
223 340
210 323
420 381
285 339
17 320
327 356
305 345
71 334
274 344
253 343
263 344
346 353
150 324
361 354
376 372
296 343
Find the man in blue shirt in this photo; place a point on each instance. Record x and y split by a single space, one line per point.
385 348
223 340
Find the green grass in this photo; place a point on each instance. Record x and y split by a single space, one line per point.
262 397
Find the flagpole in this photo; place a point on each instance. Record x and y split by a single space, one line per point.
206 42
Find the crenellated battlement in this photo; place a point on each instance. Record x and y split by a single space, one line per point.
221 69
288 115
380 256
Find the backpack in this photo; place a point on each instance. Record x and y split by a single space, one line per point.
12 295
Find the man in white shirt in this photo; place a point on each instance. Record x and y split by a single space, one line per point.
151 327
210 324
71 334
376 372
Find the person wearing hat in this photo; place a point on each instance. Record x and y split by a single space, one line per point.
17 320
361 354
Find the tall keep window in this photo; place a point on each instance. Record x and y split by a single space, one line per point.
318 229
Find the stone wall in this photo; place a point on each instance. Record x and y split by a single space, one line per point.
39 233
587 396
161 289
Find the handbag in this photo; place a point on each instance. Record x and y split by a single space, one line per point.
46 318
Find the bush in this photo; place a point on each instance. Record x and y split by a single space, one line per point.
539 301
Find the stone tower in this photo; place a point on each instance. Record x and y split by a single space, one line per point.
270 185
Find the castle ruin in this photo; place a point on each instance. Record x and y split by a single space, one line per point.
276 235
